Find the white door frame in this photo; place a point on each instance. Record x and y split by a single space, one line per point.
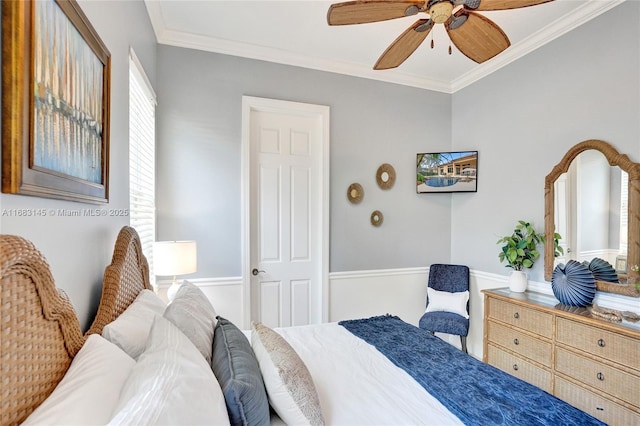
249 105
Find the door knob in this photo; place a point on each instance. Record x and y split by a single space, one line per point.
255 271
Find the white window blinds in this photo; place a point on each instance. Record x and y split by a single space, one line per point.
624 212
142 165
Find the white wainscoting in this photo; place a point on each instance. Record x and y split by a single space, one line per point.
361 294
401 292
225 295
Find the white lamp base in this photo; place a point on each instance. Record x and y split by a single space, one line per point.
173 289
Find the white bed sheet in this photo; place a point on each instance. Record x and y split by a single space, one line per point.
357 385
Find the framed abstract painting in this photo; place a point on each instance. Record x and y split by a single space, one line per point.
55 102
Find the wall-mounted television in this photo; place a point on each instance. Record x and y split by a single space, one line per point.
447 172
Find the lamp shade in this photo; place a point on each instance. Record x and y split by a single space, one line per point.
174 257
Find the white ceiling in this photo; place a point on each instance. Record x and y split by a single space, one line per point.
295 32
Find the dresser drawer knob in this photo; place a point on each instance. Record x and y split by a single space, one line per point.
516 315
515 367
601 343
600 376
516 341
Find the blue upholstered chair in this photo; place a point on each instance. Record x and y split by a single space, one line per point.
448 309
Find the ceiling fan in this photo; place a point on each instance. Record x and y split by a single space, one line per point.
476 36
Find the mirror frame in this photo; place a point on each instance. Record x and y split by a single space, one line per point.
633 252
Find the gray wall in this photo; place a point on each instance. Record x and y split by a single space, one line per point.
79 248
199 138
524 117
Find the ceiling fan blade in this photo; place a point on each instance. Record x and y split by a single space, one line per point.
365 11
501 4
404 45
477 37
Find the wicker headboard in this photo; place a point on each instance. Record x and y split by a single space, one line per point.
39 330
124 278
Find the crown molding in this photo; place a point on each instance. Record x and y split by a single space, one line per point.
215 45
553 30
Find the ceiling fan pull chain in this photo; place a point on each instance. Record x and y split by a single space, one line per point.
449 49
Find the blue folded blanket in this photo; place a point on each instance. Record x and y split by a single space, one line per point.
477 393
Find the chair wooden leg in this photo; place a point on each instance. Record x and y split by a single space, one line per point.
463 340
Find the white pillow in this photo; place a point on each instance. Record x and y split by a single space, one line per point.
131 329
290 388
89 390
171 384
192 312
444 301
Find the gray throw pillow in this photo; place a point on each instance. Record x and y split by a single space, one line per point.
194 315
236 368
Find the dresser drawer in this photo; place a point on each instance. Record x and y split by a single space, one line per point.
601 343
524 344
607 379
529 319
596 405
519 368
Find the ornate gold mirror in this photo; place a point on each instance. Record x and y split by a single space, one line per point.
592 199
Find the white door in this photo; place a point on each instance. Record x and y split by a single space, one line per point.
287 236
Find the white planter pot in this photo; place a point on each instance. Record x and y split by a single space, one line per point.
518 281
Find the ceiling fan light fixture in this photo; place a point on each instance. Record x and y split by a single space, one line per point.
425 26
412 10
457 21
441 11
471 4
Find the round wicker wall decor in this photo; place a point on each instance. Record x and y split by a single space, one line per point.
355 193
386 176
377 218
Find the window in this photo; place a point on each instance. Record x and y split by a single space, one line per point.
142 165
624 211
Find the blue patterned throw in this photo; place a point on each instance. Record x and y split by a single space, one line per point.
477 393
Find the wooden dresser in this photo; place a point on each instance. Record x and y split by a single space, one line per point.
590 363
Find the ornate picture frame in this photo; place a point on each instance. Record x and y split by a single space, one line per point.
55 102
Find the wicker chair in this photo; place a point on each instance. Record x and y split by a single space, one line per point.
453 279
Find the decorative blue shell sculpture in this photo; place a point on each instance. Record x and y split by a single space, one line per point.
603 270
573 284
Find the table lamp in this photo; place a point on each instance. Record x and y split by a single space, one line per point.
172 258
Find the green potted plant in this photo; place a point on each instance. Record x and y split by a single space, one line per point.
519 250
